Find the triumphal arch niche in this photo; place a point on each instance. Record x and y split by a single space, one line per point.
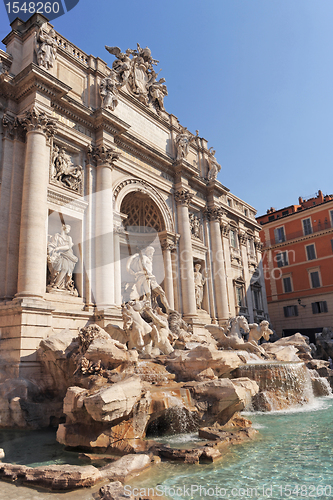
106 199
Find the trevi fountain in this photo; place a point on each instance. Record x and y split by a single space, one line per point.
137 358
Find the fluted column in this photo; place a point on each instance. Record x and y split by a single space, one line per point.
258 246
247 277
104 250
183 199
33 232
167 247
118 229
219 276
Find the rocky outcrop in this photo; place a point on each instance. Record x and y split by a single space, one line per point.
300 342
218 400
114 491
126 466
55 477
187 365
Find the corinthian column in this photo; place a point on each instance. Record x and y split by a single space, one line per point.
167 247
183 199
104 249
33 237
219 276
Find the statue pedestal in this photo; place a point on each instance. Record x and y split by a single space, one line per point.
198 323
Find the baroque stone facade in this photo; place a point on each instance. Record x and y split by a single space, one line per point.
88 149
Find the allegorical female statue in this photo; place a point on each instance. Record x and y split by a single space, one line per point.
61 261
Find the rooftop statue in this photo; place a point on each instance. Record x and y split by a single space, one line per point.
214 167
109 91
46 48
183 141
134 68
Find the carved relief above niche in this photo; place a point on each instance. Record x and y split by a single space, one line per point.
65 170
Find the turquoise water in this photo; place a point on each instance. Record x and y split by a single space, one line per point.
292 458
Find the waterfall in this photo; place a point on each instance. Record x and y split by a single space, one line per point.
282 384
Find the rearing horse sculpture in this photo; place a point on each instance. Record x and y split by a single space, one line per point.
231 337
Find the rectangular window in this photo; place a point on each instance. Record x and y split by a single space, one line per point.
285 212
280 237
245 212
240 296
271 217
315 280
319 307
233 239
229 202
257 299
282 259
287 284
307 228
310 252
332 245
290 311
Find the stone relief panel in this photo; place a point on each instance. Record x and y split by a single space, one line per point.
46 47
196 226
134 69
64 173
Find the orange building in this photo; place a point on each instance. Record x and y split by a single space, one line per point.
298 265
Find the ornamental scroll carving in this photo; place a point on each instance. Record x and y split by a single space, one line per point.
64 172
134 69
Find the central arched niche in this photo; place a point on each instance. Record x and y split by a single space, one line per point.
143 224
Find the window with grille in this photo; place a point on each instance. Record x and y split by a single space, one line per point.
142 213
233 239
319 307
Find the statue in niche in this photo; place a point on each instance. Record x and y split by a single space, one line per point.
199 281
183 141
195 225
213 167
109 92
64 171
61 261
140 265
46 48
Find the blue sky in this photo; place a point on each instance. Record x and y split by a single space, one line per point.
254 76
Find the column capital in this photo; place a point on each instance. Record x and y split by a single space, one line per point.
225 228
183 197
214 213
243 237
35 120
102 155
258 244
168 245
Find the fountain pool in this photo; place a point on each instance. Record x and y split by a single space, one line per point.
291 458
293 451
